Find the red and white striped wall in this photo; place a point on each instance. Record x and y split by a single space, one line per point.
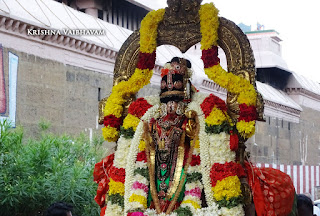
305 178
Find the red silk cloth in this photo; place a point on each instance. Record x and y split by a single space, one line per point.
101 177
273 191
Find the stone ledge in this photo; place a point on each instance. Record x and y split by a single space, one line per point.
12 25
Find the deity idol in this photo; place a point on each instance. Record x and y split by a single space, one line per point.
177 153
181 153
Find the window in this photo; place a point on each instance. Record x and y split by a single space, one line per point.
100 14
99 94
10 110
265 151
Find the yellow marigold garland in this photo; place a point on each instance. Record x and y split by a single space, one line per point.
139 198
148 31
216 117
110 133
116 187
131 121
192 202
140 78
197 144
142 145
209 24
247 128
227 188
234 84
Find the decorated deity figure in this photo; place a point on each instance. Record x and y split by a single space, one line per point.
180 153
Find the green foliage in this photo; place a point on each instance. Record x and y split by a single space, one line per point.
127 133
194 177
143 172
216 129
183 211
117 199
44 124
36 173
232 202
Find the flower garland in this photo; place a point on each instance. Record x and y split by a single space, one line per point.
247 96
208 211
136 110
130 195
117 172
141 77
219 147
214 149
140 187
197 99
209 24
226 184
137 181
193 188
135 197
128 188
115 202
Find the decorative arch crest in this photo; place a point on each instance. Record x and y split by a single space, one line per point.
181 28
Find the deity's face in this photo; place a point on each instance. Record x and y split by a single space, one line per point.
172 107
174 79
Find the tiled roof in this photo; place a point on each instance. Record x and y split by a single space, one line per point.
277 96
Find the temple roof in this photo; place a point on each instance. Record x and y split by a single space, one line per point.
53 15
146 4
277 96
300 81
50 14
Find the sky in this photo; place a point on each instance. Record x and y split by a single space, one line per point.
297 23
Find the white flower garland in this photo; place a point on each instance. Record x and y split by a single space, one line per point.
219 149
113 210
208 211
197 99
152 212
193 169
132 155
192 186
119 162
122 152
213 149
141 165
153 99
235 211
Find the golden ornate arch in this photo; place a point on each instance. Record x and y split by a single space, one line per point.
181 28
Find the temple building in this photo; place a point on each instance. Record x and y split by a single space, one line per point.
59 75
